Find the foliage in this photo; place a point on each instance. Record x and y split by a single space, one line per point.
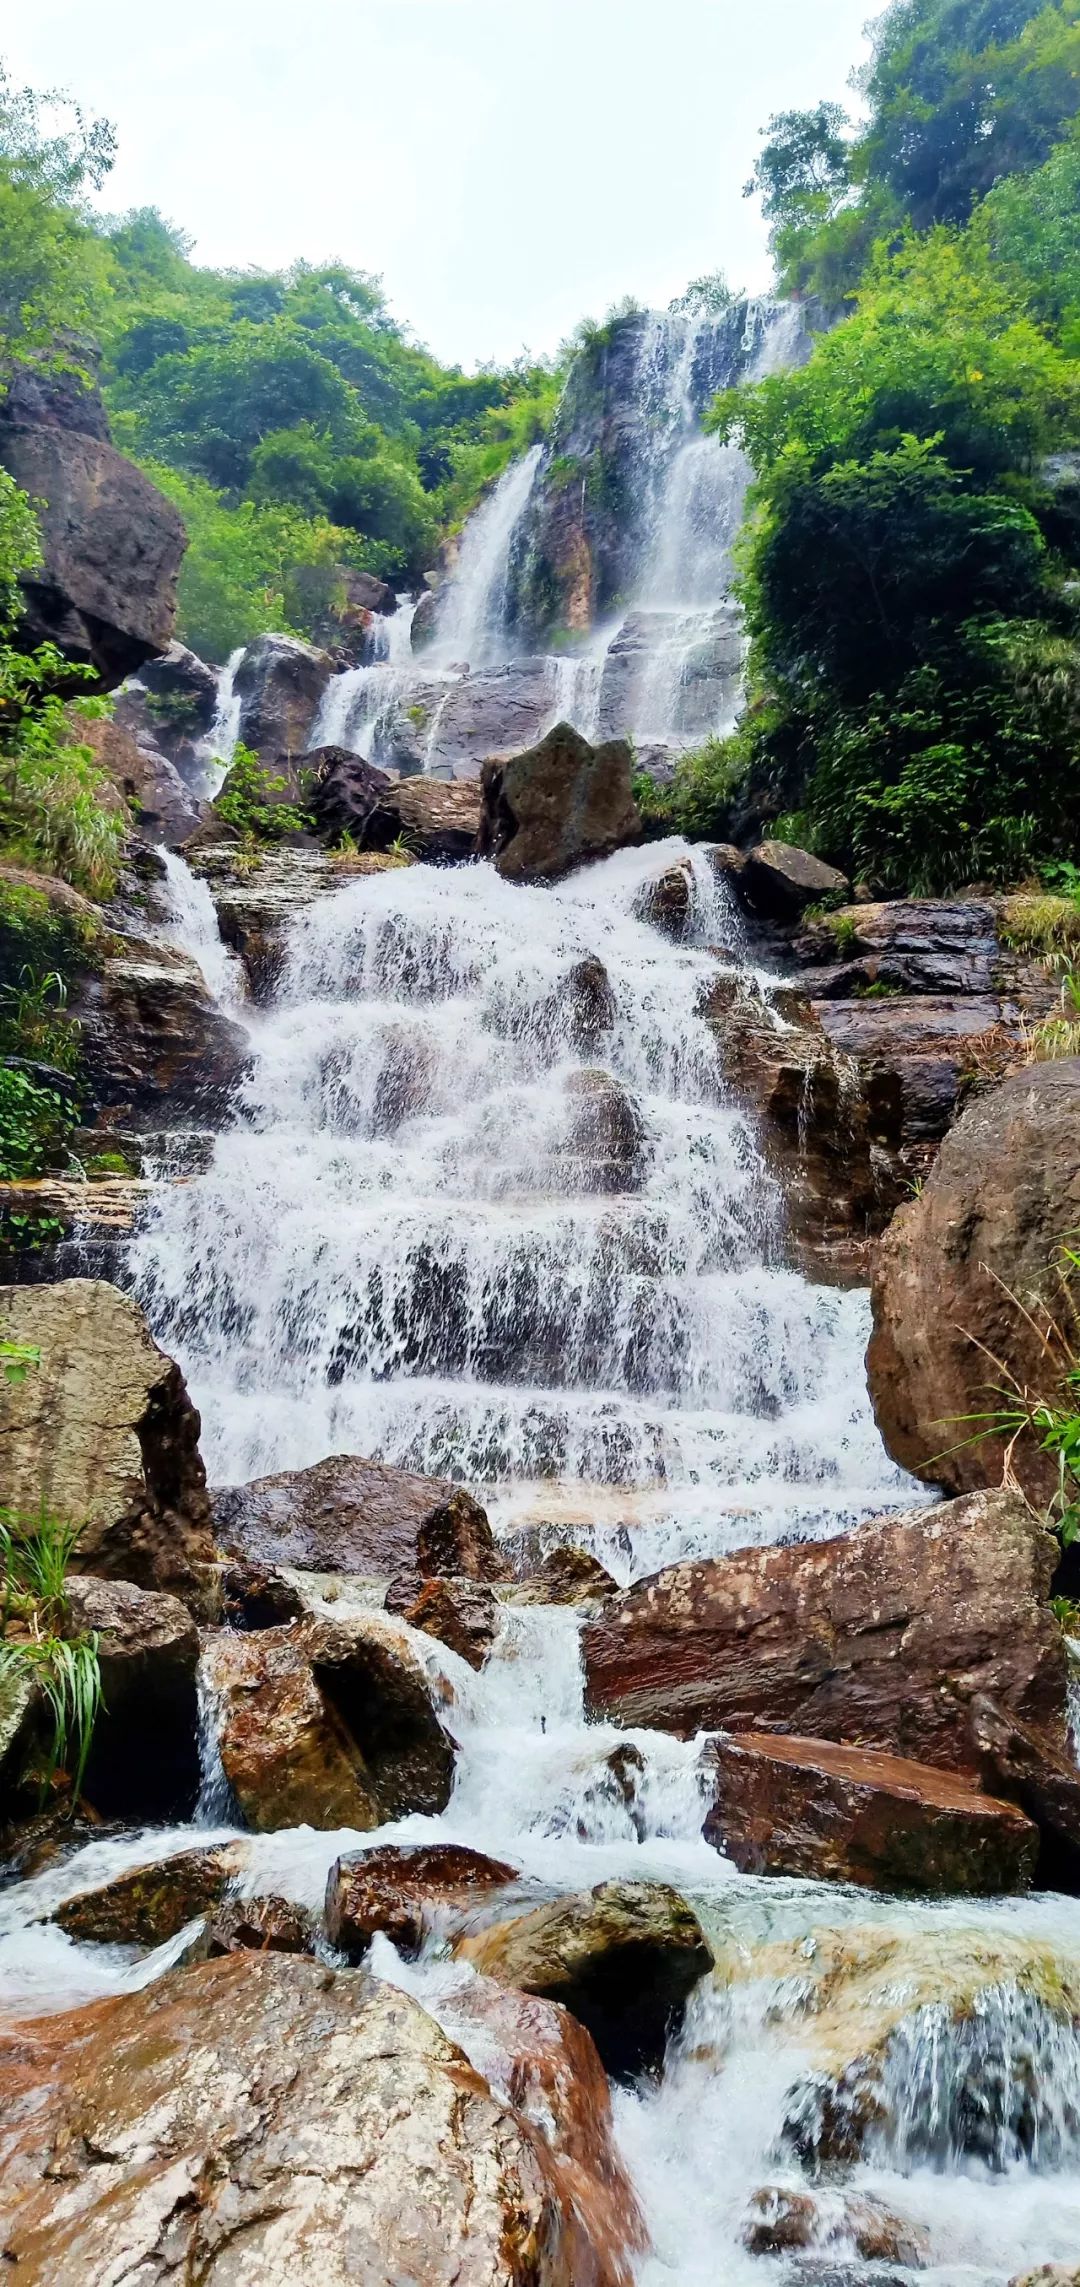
1051 1414
52 267
244 801
36 1123
36 1644
16 1359
33 1019
1060 1035
697 802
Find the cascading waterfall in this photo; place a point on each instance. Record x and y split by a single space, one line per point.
354 702
472 621
400 1246
216 750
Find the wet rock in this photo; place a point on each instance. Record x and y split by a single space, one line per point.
280 682
105 591
189 689
557 805
496 712
344 793
567 1576
622 1958
425 621
882 1636
463 1614
104 1430
258 2118
328 1723
780 2221
844 1814
157 1048
1042 1777
150 1904
603 1150
779 882
437 819
350 1515
256 903
583 1006
260 1925
667 903
966 1284
162 808
144 1757
940 946
1050 2275
255 1596
405 1892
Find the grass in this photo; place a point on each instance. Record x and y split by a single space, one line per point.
1059 1035
1050 1414
1045 927
36 1645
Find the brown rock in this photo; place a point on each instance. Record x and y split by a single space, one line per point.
556 805
667 903
780 2221
622 1958
156 1046
463 1614
1050 2275
779 882
105 592
326 1724
144 1757
437 819
877 1639
1039 1775
845 1814
260 1925
404 1892
350 1515
259 2119
966 1285
567 1576
162 808
104 1430
152 1903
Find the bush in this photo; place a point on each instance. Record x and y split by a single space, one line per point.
36 1125
244 805
697 803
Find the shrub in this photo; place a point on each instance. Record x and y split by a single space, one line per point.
244 805
697 802
36 1124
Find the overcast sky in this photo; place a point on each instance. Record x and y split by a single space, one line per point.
509 166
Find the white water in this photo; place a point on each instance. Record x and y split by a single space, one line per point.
354 701
193 928
216 750
472 620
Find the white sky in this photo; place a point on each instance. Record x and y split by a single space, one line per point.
509 166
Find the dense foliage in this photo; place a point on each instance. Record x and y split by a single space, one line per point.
910 571
300 430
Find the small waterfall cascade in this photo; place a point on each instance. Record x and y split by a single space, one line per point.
192 927
217 748
665 665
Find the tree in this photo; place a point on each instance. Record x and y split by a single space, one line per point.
52 266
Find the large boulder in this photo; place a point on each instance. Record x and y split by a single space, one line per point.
102 1432
162 807
144 1753
105 591
405 1892
157 1048
437 819
882 1637
280 683
152 1903
327 1723
257 2121
462 1614
845 1814
603 1147
363 1517
967 1286
556 805
779 881
622 1958
499 711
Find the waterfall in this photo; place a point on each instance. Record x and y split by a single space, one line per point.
354 701
215 751
472 621
450 1230
193 928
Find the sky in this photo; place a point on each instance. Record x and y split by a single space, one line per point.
508 166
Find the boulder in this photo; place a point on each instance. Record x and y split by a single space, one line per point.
144 1755
163 808
846 1814
779 882
967 1288
881 1638
40 395
405 1892
188 687
603 1147
558 804
425 621
280 683
103 1430
260 1925
462 1614
150 1904
157 1048
105 591
567 1576
622 1958
582 1008
1050 2275
344 793
495 712
363 1517
437 819
667 903
780 2221
257 2121
327 1723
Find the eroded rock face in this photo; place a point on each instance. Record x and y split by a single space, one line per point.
966 1281
105 592
622 1958
281 682
104 1430
884 1636
363 1517
258 2121
157 1048
405 1892
780 2220
328 1723
163 809
843 1814
556 805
